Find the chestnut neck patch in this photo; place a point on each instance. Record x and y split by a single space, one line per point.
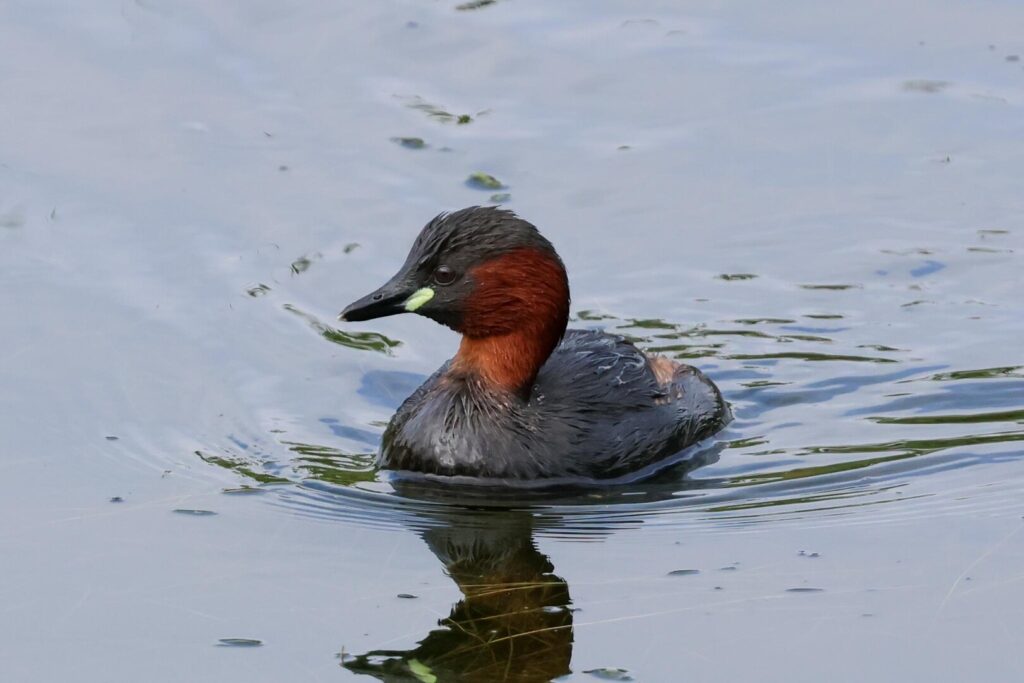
514 319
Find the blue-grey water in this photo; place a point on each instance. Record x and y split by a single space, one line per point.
819 205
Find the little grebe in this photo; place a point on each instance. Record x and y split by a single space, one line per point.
524 398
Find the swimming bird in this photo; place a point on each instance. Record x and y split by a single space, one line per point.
524 399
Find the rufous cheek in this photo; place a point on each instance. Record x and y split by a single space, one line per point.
516 288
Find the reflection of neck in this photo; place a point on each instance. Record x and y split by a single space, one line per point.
515 612
521 584
513 623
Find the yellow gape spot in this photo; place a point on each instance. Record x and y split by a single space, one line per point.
418 298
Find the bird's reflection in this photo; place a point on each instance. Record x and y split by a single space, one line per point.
513 622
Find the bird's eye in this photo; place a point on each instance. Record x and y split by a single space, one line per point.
444 275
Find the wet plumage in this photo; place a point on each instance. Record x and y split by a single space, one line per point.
524 399
595 412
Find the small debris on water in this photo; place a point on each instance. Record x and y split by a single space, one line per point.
437 112
116 499
610 674
639 22
474 4
242 490
303 263
239 642
110 438
407 596
805 590
684 572
484 181
837 288
195 513
410 143
925 85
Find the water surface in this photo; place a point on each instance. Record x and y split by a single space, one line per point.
819 208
